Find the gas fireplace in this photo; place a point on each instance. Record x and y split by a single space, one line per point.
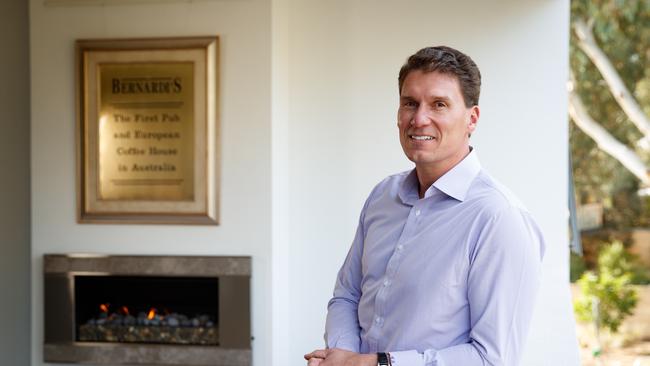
147 310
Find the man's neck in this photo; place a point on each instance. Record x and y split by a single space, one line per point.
427 175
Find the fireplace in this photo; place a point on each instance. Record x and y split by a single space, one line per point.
146 309
153 310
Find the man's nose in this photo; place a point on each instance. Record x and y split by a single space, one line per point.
421 117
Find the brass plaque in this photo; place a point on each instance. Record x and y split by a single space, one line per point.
146 131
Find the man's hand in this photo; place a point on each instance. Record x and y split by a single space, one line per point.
339 357
316 357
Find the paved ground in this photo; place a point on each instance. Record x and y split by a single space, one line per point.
633 355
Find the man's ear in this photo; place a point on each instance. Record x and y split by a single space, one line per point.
475 112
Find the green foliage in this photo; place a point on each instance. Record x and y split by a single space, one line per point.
640 274
622 30
611 286
577 267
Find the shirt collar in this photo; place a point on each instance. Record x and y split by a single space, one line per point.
408 191
455 183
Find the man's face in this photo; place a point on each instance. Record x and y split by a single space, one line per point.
434 123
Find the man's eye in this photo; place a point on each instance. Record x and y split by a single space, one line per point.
410 103
440 104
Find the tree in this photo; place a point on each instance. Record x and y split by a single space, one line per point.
609 104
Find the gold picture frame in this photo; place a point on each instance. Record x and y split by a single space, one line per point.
148 131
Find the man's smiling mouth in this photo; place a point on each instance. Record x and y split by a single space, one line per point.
421 137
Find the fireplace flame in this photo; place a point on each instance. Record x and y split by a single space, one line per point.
104 307
152 313
124 310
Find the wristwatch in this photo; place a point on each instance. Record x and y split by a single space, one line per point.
383 359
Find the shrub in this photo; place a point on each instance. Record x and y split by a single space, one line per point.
610 286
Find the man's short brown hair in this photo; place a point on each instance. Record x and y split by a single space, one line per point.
446 60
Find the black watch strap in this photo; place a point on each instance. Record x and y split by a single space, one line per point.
382 359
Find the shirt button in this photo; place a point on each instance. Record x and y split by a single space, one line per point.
378 320
400 247
386 282
417 213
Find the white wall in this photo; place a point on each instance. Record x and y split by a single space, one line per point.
344 59
244 28
281 316
309 96
14 183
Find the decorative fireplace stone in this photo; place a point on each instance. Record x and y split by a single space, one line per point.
153 310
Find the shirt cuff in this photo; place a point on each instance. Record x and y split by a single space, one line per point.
406 358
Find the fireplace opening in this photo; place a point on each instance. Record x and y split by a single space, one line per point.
147 309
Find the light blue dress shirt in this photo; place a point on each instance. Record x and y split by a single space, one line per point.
446 280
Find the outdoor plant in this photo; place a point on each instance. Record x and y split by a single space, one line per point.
607 295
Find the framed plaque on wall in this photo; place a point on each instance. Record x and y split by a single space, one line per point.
147 117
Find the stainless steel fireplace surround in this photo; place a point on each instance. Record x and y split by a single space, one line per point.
228 288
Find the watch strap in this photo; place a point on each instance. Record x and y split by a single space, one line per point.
382 359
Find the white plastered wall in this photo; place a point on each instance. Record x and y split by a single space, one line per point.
245 207
308 103
344 59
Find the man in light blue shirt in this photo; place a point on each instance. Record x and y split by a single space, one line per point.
445 264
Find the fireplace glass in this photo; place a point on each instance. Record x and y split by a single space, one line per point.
147 309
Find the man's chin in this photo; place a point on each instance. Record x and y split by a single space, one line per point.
422 159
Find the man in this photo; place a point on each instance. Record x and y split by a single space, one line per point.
445 264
